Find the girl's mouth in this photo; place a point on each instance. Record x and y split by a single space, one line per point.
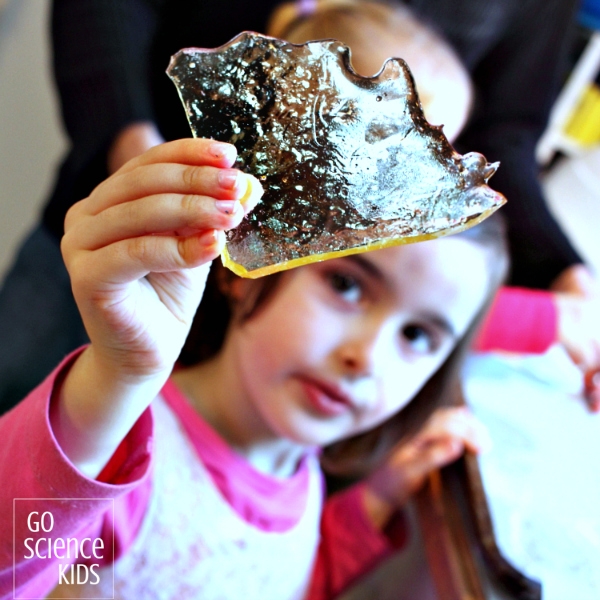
326 399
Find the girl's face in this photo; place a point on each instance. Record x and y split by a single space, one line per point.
344 344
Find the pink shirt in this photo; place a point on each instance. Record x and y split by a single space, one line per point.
520 320
32 465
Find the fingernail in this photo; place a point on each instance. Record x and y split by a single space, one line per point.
227 178
208 238
221 150
227 207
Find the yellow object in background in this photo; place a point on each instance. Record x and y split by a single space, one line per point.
584 124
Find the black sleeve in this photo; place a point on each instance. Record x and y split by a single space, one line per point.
101 60
110 58
516 83
101 56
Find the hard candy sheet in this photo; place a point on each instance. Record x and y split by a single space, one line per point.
348 163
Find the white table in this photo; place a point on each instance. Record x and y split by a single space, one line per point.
542 475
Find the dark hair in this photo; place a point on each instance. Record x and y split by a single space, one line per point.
359 454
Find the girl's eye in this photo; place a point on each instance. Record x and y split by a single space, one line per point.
346 286
419 338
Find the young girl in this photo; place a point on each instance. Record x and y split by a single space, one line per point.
318 356
215 471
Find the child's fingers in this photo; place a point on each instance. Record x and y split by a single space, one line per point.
163 214
457 423
438 455
445 436
469 431
160 178
405 471
131 259
187 151
592 390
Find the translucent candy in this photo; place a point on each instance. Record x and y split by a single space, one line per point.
349 164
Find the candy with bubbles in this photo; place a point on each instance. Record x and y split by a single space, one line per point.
348 163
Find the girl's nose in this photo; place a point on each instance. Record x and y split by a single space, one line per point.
360 353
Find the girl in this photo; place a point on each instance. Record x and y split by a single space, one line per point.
343 355
348 356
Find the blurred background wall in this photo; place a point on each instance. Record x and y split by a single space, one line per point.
31 142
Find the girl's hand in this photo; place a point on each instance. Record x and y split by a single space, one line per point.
577 299
444 437
139 248
592 390
579 328
138 251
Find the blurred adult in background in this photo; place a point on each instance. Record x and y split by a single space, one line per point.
109 60
110 57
